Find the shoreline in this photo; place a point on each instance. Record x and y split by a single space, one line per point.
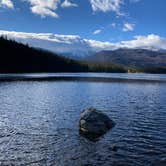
80 79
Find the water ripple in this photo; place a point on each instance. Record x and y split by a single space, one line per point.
39 124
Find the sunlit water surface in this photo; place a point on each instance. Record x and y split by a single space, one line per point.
39 123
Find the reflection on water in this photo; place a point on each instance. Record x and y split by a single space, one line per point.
39 123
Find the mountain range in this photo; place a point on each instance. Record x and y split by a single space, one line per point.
78 47
20 58
130 57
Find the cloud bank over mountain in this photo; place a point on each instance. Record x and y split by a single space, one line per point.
76 46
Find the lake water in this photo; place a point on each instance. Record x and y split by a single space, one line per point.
39 122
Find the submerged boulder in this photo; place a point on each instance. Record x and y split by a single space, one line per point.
94 123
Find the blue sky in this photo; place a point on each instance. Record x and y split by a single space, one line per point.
79 17
80 27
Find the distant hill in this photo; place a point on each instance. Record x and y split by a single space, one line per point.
19 58
131 57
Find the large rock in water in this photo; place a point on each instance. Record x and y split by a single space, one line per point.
94 123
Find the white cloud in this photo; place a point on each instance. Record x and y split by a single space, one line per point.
134 1
113 25
97 31
77 46
128 27
44 7
148 42
49 7
6 3
106 5
43 12
67 3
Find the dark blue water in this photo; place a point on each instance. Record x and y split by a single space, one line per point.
39 123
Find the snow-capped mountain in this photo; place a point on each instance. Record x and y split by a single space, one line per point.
75 46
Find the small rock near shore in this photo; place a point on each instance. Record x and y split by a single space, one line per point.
94 123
